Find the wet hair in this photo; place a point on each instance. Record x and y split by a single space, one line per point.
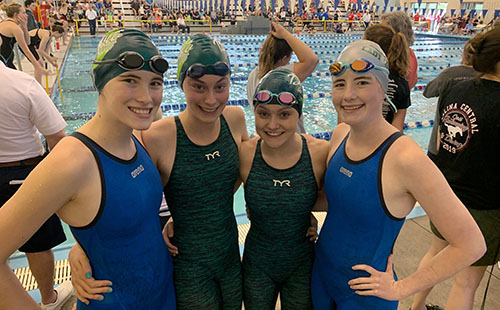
57 28
467 54
485 49
271 52
393 44
11 9
400 22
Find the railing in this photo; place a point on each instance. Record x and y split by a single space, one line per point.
151 22
325 22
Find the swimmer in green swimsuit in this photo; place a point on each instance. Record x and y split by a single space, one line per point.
282 172
197 156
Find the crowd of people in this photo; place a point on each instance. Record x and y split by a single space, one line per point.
120 163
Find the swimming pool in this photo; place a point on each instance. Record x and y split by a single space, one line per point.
434 54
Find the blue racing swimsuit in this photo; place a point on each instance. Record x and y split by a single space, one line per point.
358 230
124 242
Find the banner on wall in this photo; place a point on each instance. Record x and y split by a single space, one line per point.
472 13
496 14
392 8
406 10
484 13
462 12
301 4
452 11
423 11
432 12
285 4
336 4
263 6
376 8
273 4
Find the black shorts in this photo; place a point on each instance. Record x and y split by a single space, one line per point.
51 233
489 223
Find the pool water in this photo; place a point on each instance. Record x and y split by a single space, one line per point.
433 55
319 114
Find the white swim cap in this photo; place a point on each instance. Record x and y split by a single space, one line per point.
372 52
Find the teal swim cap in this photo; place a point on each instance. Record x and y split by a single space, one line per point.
201 49
112 45
280 81
372 52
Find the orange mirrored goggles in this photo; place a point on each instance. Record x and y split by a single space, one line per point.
359 65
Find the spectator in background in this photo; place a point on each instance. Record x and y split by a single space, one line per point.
401 22
135 5
99 7
30 7
91 15
181 23
350 18
367 17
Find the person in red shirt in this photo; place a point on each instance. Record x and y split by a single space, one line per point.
350 17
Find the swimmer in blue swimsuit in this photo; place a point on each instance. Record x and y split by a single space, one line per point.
374 177
102 182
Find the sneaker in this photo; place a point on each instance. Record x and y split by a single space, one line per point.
433 307
64 292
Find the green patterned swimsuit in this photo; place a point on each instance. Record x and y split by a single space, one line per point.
199 193
278 257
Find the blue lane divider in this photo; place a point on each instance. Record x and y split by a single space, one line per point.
182 106
169 49
174 82
254 64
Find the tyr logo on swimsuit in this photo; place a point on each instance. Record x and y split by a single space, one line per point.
212 156
287 182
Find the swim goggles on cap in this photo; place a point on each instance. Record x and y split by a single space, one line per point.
285 98
359 65
198 70
134 61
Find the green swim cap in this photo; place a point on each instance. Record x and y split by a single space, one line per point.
200 48
278 81
112 45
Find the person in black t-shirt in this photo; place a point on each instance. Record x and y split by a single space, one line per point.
447 78
468 134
